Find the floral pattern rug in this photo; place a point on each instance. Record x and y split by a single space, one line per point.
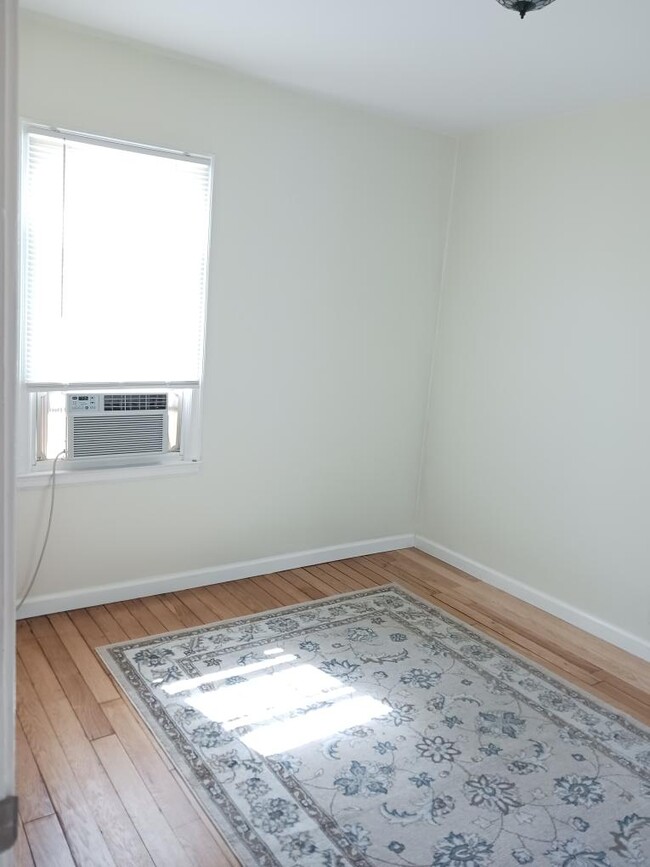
374 729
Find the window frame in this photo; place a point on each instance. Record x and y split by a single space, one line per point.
35 472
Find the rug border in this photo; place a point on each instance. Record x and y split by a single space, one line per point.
569 684
230 837
238 848
102 650
361 592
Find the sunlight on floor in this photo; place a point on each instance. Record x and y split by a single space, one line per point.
289 707
215 677
283 735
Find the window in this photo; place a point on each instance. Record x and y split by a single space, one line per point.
115 248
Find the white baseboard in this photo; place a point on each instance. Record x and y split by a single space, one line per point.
105 593
551 604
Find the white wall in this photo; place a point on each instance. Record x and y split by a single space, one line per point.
327 238
538 450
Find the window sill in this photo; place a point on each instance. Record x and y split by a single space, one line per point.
109 474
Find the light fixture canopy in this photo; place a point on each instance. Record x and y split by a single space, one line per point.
524 6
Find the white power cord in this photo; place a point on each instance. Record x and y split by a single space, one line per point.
32 580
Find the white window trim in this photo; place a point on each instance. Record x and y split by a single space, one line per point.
42 478
8 319
33 474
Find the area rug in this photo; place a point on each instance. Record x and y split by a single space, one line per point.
374 729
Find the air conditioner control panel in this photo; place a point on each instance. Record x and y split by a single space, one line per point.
83 403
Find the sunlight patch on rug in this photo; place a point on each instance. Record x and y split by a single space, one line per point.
373 729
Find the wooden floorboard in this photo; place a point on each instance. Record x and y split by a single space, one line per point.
22 852
96 788
33 798
45 845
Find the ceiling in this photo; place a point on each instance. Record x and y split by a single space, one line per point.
452 65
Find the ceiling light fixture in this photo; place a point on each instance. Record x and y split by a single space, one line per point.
524 6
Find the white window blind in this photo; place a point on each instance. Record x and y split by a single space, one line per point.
115 261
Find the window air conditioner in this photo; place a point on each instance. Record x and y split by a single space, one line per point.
116 426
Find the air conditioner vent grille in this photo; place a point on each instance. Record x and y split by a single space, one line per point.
130 402
107 436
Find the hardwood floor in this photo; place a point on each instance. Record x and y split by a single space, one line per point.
94 787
